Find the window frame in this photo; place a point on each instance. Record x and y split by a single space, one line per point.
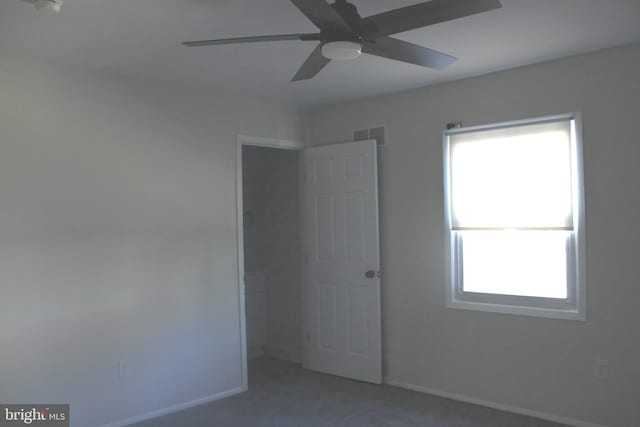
571 308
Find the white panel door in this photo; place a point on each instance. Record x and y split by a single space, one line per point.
341 289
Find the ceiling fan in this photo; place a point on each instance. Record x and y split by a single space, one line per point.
344 34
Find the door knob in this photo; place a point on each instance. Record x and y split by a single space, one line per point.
370 274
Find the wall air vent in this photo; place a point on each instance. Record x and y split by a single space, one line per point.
378 133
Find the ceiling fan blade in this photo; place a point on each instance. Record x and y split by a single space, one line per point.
400 50
312 66
321 14
424 14
274 38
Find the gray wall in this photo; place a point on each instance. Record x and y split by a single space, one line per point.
272 241
533 363
118 239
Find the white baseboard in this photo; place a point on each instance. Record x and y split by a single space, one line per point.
500 406
289 353
174 408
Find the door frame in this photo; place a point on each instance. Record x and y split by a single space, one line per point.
253 141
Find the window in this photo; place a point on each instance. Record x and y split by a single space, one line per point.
515 218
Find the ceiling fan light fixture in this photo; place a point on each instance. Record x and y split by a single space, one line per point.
341 50
51 5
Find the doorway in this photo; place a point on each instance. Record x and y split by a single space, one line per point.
269 195
308 251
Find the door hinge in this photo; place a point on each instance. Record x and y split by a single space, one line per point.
370 274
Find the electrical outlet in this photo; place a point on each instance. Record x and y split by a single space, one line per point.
124 368
601 372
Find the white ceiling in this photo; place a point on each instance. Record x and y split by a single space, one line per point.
142 38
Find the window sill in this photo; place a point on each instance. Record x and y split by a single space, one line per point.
564 314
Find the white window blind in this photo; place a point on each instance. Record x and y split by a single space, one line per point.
514 214
512 178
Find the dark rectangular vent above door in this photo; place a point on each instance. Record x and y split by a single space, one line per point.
378 133
361 135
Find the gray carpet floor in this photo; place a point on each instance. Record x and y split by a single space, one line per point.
282 394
